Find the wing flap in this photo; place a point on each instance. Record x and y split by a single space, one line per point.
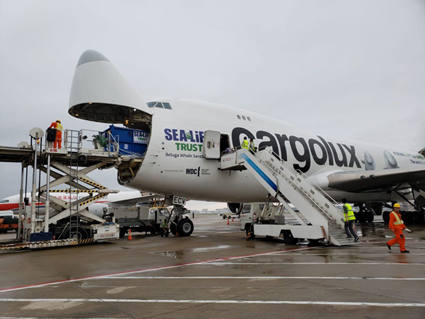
377 179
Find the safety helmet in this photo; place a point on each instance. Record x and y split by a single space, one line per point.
396 205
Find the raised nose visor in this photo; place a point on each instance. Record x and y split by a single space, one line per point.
99 93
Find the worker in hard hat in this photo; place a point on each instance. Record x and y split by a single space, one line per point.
58 140
252 147
245 143
51 135
349 220
396 224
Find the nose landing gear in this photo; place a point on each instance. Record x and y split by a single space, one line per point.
180 225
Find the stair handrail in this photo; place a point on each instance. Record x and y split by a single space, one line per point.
299 172
300 219
320 189
324 193
307 194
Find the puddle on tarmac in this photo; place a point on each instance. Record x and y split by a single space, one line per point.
51 305
171 253
206 249
118 290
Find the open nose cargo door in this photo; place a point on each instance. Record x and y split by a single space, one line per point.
99 93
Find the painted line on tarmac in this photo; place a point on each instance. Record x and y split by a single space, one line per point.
214 301
64 318
269 277
56 282
387 253
224 263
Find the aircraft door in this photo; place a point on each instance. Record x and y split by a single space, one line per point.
211 147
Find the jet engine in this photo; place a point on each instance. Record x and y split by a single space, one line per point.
235 208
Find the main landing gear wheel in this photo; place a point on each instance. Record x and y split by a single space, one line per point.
185 227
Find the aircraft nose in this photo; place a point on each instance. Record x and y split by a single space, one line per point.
91 56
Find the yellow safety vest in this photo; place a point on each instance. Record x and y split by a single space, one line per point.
398 221
349 214
252 146
245 144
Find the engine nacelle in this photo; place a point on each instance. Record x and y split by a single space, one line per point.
235 208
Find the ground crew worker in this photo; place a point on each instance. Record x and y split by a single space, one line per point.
245 143
349 220
396 224
59 129
252 145
164 228
51 135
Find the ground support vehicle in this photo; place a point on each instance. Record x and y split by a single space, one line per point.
141 218
271 220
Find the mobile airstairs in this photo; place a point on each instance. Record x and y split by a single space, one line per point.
314 214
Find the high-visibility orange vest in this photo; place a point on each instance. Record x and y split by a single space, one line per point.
395 221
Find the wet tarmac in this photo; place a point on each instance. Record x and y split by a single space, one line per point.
217 273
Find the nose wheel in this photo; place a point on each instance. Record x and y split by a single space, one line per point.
180 225
185 227
182 228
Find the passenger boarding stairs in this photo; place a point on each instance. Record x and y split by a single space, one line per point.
313 206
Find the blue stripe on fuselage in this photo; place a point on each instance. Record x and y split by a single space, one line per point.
260 172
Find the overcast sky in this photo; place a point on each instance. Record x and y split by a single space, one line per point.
354 69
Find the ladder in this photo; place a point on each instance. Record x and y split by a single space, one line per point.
312 205
74 146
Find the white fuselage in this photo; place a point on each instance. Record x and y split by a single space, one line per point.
174 163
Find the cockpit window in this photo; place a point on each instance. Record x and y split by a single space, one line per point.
161 105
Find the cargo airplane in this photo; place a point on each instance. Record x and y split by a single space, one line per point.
176 160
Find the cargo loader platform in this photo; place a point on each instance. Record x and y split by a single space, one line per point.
51 221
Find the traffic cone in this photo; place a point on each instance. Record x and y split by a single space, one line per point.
129 235
228 219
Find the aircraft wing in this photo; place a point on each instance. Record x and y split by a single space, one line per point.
376 179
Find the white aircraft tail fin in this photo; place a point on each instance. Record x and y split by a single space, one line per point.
99 93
